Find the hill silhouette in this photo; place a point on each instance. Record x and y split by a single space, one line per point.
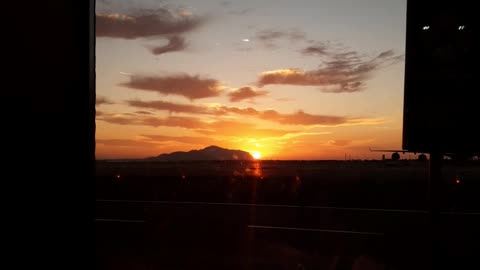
209 153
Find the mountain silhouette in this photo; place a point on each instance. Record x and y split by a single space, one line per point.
208 153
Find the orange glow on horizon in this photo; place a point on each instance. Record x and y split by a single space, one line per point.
271 91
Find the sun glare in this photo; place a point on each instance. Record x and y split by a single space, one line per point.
256 155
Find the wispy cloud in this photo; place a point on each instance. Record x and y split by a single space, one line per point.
245 93
170 106
339 143
220 128
298 118
175 43
151 23
100 100
231 128
192 87
341 72
269 37
143 112
125 143
183 139
171 121
320 49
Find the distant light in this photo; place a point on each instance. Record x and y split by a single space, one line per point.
297 178
457 180
461 27
118 176
246 40
426 27
183 176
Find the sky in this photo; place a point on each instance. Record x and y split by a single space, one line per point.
303 79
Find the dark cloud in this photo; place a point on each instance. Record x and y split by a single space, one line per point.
102 100
269 37
152 23
175 43
192 87
340 72
245 93
386 54
315 50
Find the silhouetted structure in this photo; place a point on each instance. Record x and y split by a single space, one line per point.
441 106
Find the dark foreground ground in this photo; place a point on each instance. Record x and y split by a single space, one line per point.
283 215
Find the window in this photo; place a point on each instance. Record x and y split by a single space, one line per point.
255 134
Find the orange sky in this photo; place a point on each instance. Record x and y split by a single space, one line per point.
289 79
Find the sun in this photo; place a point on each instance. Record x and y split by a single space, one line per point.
256 155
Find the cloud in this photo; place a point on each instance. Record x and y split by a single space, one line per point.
341 72
298 118
143 112
315 50
231 128
171 121
170 106
192 87
102 100
152 23
270 36
125 143
302 118
174 121
245 93
183 139
339 142
228 128
386 54
175 43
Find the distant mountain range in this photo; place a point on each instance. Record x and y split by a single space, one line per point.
208 153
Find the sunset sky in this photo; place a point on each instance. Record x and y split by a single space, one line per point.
303 79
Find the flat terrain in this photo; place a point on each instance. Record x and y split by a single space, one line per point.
282 215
